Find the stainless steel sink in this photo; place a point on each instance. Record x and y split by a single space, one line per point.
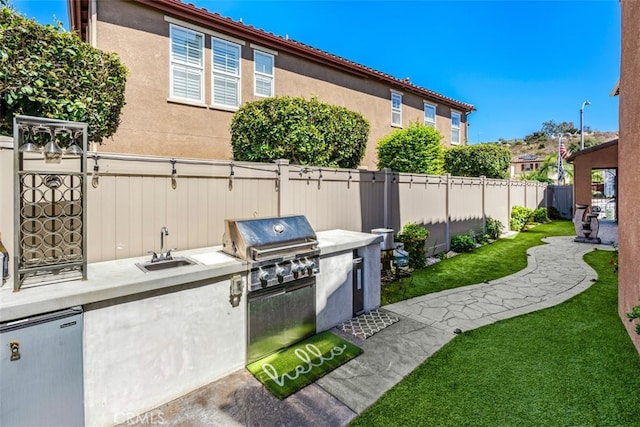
165 264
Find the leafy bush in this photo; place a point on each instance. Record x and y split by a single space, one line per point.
540 215
416 149
463 243
50 73
493 228
490 160
306 132
553 212
414 238
635 314
520 217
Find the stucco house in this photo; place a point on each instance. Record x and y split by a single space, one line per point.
602 156
525 164
190 70
628 161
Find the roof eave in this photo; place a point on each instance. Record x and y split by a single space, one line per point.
205 18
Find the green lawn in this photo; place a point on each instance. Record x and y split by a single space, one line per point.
569 365
499 259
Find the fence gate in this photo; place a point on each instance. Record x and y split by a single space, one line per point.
561 198
604 192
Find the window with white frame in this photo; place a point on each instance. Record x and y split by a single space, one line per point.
430 115
455 128
396 109
263 73
226 73
187 64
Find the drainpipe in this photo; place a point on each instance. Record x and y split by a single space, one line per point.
93 23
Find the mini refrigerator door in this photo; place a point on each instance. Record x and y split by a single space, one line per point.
41 380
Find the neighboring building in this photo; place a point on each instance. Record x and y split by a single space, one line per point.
190 70
602 156
525 164
628 161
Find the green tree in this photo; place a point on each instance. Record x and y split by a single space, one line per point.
306 132
536 175
490 160
48 72
416 149
551 127
535 137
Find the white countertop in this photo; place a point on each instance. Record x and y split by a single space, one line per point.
113 279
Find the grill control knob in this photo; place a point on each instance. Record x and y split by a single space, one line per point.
281 272
295 267
264 276
311 265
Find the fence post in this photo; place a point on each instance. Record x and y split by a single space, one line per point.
509 204
285 200
483 179
447 226
387 197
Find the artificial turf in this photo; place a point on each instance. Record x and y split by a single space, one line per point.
569 365
498 259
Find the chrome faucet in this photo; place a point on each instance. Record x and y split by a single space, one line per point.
163 232
156 257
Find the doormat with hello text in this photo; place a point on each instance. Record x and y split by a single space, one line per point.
295 367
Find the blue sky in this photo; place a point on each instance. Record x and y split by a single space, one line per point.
519 62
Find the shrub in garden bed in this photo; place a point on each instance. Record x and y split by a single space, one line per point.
493 228
540 215
520 217
414 238
463 243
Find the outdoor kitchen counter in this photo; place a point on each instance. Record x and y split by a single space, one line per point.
114 279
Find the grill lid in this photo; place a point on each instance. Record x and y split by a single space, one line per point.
255 239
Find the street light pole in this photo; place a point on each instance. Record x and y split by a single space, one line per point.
582 123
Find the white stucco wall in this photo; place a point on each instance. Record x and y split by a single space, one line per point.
141 353
334 286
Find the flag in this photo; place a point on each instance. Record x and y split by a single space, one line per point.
563 150
560 172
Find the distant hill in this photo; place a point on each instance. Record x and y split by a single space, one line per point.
544 148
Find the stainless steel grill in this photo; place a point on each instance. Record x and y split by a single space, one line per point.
283 259
279 250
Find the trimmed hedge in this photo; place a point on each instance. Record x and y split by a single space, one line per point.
416 149
48 72
306 132
490 160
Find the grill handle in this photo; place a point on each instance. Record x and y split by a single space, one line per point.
261 252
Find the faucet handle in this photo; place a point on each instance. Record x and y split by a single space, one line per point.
168 254
154 256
